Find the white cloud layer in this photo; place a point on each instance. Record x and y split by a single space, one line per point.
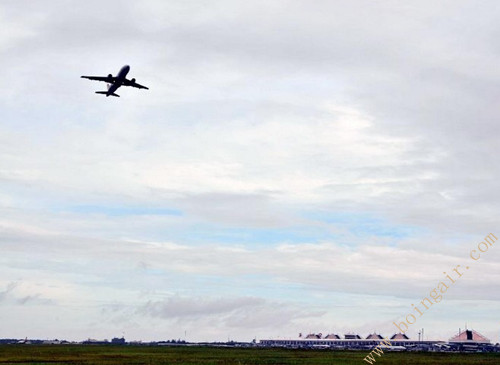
294 166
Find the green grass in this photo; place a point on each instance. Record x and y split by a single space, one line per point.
138 355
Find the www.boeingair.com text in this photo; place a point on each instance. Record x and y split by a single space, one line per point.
435 294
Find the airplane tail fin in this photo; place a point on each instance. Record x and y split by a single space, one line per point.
107 94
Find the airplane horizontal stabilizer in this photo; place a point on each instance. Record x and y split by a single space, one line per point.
107 94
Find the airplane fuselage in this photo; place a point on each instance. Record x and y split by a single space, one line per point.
120 78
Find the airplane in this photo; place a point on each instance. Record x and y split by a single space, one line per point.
114 82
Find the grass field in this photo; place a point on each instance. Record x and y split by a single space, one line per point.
124 355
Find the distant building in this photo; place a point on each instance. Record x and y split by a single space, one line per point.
464 341
313 336
92 341
469 336
399 336
118 341
52 342
332 336
351 341
352 336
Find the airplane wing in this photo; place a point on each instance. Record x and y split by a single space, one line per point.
134 84
107 79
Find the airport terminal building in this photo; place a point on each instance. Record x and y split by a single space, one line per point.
468 340
348 341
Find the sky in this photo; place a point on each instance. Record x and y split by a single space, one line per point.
294 167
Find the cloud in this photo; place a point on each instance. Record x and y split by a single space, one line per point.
286 154
242 313
183 307
14 294
5 293
251 210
